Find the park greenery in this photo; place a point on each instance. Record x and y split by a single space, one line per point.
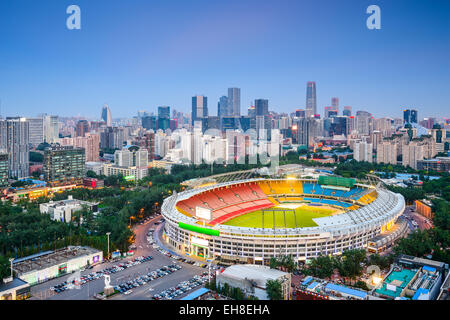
274 290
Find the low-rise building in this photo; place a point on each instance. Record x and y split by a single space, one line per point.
317 289
52 264
14 289
252 279
439 164
412 278
63 210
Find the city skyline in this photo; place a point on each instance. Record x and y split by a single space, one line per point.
121 58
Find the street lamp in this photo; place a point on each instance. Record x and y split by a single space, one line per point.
11 261
209 269
108 233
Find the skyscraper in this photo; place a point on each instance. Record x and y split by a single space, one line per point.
199 108
64 165
262 107
335 103
14 137
36 130
163 117
234 102
222 107
106 115
409 116
82 128
347 111
311 101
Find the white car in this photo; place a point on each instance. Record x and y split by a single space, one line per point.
128 292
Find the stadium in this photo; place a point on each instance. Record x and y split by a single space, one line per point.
252 220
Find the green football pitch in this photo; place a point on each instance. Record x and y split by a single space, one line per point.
297 218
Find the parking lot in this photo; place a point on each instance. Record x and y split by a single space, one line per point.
94 280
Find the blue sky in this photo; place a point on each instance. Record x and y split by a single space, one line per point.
139 54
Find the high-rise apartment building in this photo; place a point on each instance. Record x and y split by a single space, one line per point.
387 152
14 140
4 169
412 153
51 129
36 131
82 128
363 151
90 142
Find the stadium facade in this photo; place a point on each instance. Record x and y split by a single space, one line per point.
195 219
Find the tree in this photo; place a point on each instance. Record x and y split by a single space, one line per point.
274 290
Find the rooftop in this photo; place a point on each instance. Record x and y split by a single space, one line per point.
257 273
196 294
50 258
15 283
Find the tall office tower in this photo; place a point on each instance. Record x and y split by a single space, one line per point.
409 116
347 111
412 153
338 126
106 115
387 152
51 129
199 108
222 107
90 142
4 171
302 127
14 140
413 116
363 122
163 117
363 151
335 103
300 113
251 112
311 100
149 123
234 102
262 107
406 116
82 128
36 129
64 165
330 112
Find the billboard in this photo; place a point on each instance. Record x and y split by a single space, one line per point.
203 213
115 254
199 241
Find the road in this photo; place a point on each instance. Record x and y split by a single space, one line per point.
88 290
